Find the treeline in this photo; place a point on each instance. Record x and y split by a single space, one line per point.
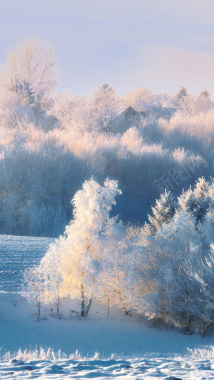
163 270
50 144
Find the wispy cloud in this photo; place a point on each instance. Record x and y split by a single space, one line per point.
166 68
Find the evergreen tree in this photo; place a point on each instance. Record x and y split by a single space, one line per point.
163 212
199 200
182 93
204 94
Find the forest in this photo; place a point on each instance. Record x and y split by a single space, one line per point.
124 182
51 142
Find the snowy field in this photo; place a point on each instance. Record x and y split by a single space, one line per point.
95 347
118 368
17 254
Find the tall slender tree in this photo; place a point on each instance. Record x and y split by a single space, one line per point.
82 248
27 80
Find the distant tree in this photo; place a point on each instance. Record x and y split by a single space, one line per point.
27 80
204 101
132 140
141 99
105 105
181 94
204 94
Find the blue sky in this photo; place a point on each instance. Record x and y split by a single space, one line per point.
126 43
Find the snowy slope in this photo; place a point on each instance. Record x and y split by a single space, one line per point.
127 346
119 346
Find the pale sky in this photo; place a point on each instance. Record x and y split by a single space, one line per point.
162 44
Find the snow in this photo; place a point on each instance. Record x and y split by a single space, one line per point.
17 254
121 346
82 368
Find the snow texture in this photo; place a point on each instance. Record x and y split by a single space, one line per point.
16 255
118 347
176 368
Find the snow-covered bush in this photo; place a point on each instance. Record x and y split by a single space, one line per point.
174 262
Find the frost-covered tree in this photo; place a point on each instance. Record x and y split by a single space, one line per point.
172 275
27 80
74 114
169 291
207 227
50 269
199 200
184 101
34 287
204 102
162 212
150 105
141 99
201 275
113 283
105 105
82 246
204 94
206 282
182 94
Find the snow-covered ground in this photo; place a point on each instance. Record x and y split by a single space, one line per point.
119 347
16 254
118 368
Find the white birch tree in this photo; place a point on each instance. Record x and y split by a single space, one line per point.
53 284
34 287
81 249
27 81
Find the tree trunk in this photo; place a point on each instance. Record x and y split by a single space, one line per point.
188 325
108 307
82 301
89 305
57 305
204 329
39 306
